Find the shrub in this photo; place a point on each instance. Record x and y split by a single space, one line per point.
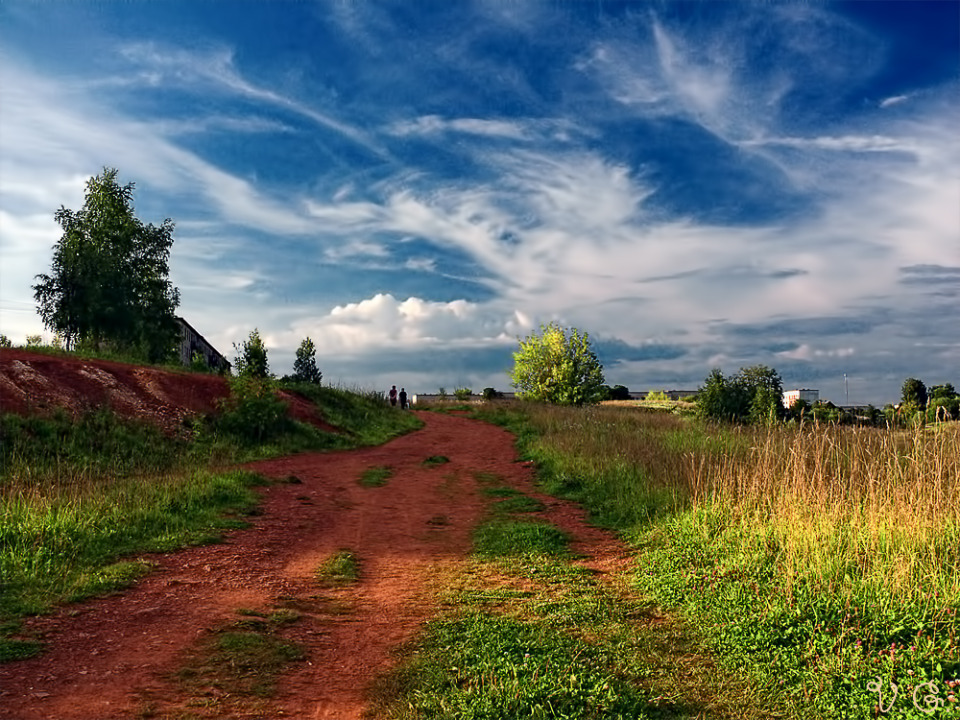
198 363
253 410
462 393
251 360
491 394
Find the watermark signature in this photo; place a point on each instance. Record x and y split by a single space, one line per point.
926 696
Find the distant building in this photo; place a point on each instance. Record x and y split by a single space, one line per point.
193 342
808 396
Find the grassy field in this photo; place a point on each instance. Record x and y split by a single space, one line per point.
80 496
821 562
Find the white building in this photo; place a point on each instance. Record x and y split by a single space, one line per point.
808 396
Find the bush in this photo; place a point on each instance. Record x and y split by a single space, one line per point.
253 411
462 393
198 363
491 394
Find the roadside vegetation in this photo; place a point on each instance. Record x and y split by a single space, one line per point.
820 562
82 498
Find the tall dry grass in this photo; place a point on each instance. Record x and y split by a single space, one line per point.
836 506
844 506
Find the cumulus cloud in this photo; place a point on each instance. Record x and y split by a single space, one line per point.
384 322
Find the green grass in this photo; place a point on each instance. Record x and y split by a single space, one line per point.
376 476
435 460
241 660
811 560
64 544
510 501
532 634
341 568
364 416
510 537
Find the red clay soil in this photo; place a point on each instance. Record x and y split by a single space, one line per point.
114 658
35 382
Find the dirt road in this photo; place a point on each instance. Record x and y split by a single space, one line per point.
115 657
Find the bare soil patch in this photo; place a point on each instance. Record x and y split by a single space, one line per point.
34 382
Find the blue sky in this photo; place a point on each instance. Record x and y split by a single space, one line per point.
415 185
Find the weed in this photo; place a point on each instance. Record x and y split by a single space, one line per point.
240 660
435 460
341 568
376 476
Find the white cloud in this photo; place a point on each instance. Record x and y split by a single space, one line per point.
385 323
434 124
893 100
808 352
183 67
847 143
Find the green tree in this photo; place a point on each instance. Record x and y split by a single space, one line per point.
619 392
717 398
913 394
761 392
942 391
557 366
251 358
754 394
305 366
109 275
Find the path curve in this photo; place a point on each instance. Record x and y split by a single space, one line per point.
110 658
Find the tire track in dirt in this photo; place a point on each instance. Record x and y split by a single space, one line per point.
113 657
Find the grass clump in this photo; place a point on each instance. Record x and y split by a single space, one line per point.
510 538
341 568
242 660
376 476
512 501
435 460
487 666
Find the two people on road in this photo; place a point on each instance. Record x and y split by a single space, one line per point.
402 396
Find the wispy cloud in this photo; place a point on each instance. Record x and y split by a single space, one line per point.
217 68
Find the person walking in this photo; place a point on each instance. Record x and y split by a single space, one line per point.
393 396
403 398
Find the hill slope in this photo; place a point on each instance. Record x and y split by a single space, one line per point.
35 382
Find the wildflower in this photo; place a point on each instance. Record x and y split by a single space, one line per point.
909 672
